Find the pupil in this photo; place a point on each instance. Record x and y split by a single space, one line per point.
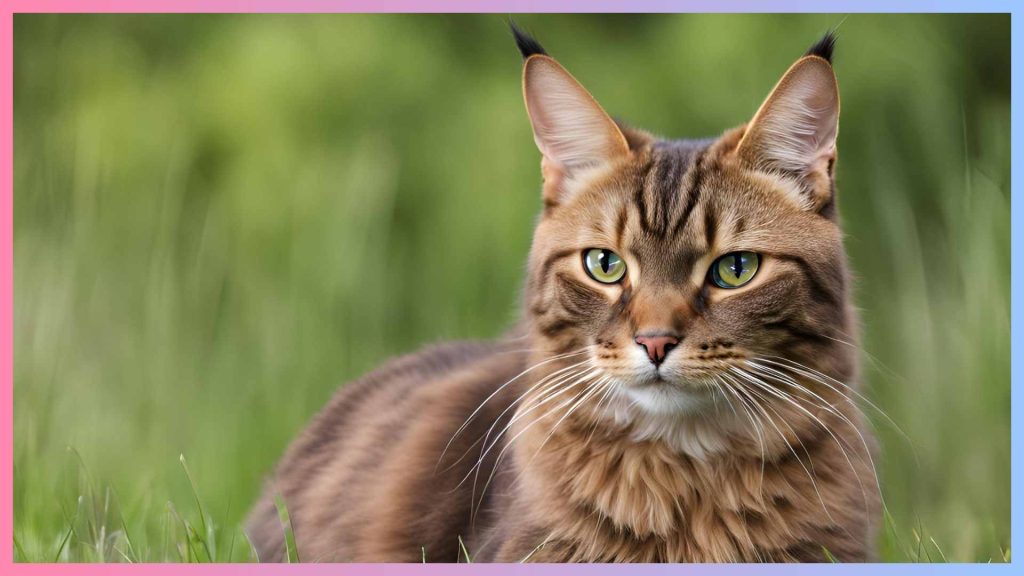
604 260
737 265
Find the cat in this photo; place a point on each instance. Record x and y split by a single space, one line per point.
680 387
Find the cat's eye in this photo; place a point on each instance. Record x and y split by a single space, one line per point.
735 269
603 265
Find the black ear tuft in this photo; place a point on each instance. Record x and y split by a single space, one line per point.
823 48
527 45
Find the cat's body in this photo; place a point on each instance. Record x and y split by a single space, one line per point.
645 409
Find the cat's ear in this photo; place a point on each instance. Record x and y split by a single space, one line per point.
570 128
794 132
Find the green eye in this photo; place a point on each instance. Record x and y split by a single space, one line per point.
603 265
735 269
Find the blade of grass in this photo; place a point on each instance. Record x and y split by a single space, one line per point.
253 552
203 536
190 551
231 545
63 542
101 542
465 552
890 524
921 548
941 554
123 555
19 550
292 552
829 556
71 521
127 537
195 491
90 491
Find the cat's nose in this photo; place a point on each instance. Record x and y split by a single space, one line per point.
657 346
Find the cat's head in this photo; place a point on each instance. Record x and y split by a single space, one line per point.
681 265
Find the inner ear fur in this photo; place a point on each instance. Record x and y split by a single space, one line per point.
572 131
793 133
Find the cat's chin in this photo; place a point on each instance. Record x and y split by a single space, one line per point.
687 418
657 395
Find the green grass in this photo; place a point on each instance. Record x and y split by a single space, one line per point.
291 551
219 219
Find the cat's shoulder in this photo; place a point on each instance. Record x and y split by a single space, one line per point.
441 358
398 376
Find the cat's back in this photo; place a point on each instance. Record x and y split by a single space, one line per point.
363 481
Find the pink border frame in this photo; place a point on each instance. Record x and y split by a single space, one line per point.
11 7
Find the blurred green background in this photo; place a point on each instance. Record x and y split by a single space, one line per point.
219 219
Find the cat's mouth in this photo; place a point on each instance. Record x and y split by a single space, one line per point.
670 394
660 378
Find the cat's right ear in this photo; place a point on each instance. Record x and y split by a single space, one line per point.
570 128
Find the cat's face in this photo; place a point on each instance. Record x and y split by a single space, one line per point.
676 264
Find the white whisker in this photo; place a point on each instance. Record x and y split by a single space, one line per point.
783 378
517 417
587 392
792 401
499 389
544 383
746 391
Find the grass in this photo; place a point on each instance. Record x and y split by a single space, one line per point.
89 536
291 551
219 219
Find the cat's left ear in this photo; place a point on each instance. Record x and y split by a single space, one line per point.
794 132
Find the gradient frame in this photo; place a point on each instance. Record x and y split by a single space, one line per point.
11 7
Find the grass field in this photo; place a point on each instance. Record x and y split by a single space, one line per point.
219 219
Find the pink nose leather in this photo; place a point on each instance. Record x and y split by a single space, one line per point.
657 346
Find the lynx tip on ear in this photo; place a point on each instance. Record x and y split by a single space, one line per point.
526 43
823 48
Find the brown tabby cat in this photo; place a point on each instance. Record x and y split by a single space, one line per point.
679 388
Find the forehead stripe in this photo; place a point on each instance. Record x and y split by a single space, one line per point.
640 197
693 193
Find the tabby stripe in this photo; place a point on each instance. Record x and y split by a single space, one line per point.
796 333
668 186
710 225
620 225
556 326
577 296
696 183
545 268
819 291
639 197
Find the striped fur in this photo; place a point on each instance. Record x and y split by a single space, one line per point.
472 444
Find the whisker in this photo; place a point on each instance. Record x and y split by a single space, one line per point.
587 392
867 450
543 383
508 444
792 401
758 426
814 483
606 396
499 389
820 377
816 375
551 389
597 386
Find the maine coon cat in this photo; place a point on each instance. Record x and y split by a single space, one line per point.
680 387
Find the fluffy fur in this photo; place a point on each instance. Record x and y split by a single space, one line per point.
564 441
